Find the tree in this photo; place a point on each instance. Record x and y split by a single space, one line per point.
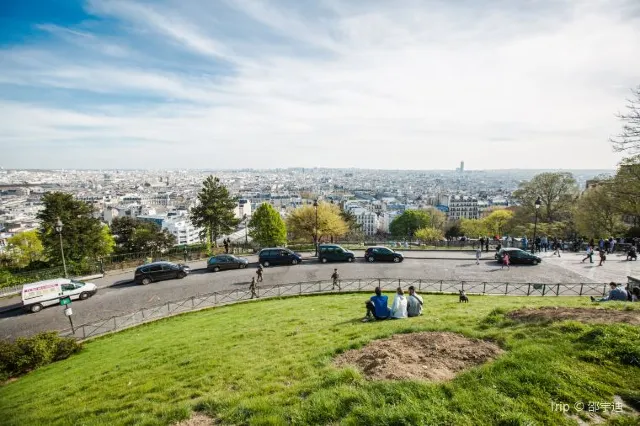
498 221
302 222
267 228
629 139
24 248
625 188
135 236
453 230
409 222
473 228
429 234
83 236
557 191
438 218
597 214
214 213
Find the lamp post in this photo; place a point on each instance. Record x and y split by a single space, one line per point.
246 238
59 231
315 238
535 227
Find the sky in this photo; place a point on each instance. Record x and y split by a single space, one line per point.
407 84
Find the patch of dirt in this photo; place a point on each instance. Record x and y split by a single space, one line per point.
585 315
435 357
197 419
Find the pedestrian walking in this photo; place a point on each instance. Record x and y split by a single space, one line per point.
478 254
226 246
486 242
556 247
253 287
335 280
613 244
603 257
259 273
589 254
481 242
506 261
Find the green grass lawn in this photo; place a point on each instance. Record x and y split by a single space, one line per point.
270 362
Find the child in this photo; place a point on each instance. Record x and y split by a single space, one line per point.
505 261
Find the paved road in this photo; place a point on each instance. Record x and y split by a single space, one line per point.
117 295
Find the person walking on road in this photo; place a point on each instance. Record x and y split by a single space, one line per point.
335 280
478 254
556 247
506 261
486 242
589 254
226 246
603 257
259 273
253 287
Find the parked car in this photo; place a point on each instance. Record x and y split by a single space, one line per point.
334 253
278 256
226 261
383 254
36 296
517 255
159 271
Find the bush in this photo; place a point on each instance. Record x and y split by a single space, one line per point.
28 353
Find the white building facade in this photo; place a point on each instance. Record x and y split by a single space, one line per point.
462 207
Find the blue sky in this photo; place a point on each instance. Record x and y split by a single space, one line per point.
251 83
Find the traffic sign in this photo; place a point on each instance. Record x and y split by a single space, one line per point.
65 301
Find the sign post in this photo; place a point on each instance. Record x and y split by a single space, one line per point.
66 302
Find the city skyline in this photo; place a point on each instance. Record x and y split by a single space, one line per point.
241 84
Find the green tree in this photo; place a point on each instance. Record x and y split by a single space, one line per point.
267 228
406 224
597 214
301 223
557 191
629 139
83 236
498 221
134 236
625 189
429 235
24 248
453 230
473 228
438 218
214 212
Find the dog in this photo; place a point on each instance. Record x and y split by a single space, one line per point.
463 297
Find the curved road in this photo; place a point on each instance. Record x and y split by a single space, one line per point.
118 295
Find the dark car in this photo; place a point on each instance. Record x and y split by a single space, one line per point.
278 256
159 271
517 255
334 253
226 261
382 254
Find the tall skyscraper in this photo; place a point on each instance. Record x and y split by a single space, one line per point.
462 167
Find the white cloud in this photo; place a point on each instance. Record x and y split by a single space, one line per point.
403 85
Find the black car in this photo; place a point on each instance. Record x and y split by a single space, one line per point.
334 253
517 255
278 256
226 261
159 271
383 254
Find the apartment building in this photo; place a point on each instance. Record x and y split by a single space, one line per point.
463 207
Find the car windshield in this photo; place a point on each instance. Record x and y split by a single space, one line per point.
77 283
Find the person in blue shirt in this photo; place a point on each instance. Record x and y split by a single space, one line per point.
615 294
377 307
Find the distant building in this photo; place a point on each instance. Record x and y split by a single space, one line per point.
462 207
367 220
243 208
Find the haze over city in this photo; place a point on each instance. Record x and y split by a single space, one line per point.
254 84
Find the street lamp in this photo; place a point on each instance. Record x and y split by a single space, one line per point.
315 238
246 238
535 227
59 231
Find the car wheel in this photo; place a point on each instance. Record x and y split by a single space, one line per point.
349 259
84 295
370 259
181 275
294 262
534 262
35 308
146 281
323 259
396 260
242 266
265 263
216 269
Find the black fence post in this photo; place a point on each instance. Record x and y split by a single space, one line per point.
484 287
420 284
506 289
440 286
544 288
581 285
558 290
528 289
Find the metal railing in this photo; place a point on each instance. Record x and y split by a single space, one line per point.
221 298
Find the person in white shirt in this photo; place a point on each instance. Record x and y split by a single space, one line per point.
399 307
414 303
478 254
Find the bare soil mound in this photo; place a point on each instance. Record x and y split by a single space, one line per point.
585 315
434 357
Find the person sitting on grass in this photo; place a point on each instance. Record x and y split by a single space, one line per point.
635 294
399 306
415 303
377 307
615 294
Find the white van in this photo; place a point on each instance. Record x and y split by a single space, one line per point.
36 296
